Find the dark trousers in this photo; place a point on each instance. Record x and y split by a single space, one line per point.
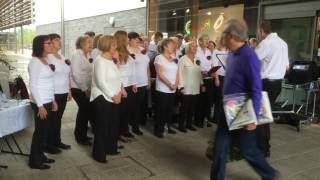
218 107
83 114
164 112
54 135
106 129
126 111
249 150
207 99
39 135
140 108
273 87
187 110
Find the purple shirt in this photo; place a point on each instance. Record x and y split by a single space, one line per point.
243 75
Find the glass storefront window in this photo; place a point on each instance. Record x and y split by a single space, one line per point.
297 32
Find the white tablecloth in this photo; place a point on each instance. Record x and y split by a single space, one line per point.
15 118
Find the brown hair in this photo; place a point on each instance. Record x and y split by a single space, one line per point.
122 42
266 26
81 40
96 40
105 42
164 43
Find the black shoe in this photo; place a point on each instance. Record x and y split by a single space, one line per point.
100 160
52 150
184 130
191 128
123 139
159 135
85 143
48 161
114 153
128 135
209 124
137 132
170 131
39 166
88 138
63 146
120 147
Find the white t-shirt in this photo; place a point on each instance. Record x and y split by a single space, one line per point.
81 71
95 53
61 74
41 82
273 53
169 70
222 55
128 73
105 79
141 64
205 57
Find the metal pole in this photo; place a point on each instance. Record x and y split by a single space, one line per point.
62 28
147 18
22 48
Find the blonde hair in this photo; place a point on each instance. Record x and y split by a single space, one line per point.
105 43
164 43
122 42
96 40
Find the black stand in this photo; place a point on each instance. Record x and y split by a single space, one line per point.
11 149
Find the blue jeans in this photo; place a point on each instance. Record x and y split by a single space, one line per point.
249 151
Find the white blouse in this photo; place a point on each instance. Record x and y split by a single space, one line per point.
141 66
41 82
128 73
169 70
106 79
61 74
190 76
81 71
95 53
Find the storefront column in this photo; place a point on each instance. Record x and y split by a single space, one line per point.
152 25
195 17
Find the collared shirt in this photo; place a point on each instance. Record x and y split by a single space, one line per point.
141 62
273 53
169 70
61 74
105 79
190 77
41 82
128 73
243 75
81 70
220 59
205 57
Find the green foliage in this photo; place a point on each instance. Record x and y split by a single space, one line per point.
28 35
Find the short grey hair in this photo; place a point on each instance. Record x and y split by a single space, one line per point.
237 28
187 46
203 36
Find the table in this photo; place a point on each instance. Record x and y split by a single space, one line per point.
14 116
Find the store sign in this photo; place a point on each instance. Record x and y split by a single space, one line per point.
187 27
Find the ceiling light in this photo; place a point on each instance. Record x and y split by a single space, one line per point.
187 10
209 13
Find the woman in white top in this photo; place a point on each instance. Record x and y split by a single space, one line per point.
129 85
95 51
166 85
61 93
142 78
81 69
105 95
189 86
42 99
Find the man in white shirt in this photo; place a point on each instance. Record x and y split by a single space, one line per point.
273 54
204 55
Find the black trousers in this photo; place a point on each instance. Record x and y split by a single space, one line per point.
187 110
218 108
126 111
106 129
40 134
54 135
273 87
206 102
140 108
164 112
83 115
